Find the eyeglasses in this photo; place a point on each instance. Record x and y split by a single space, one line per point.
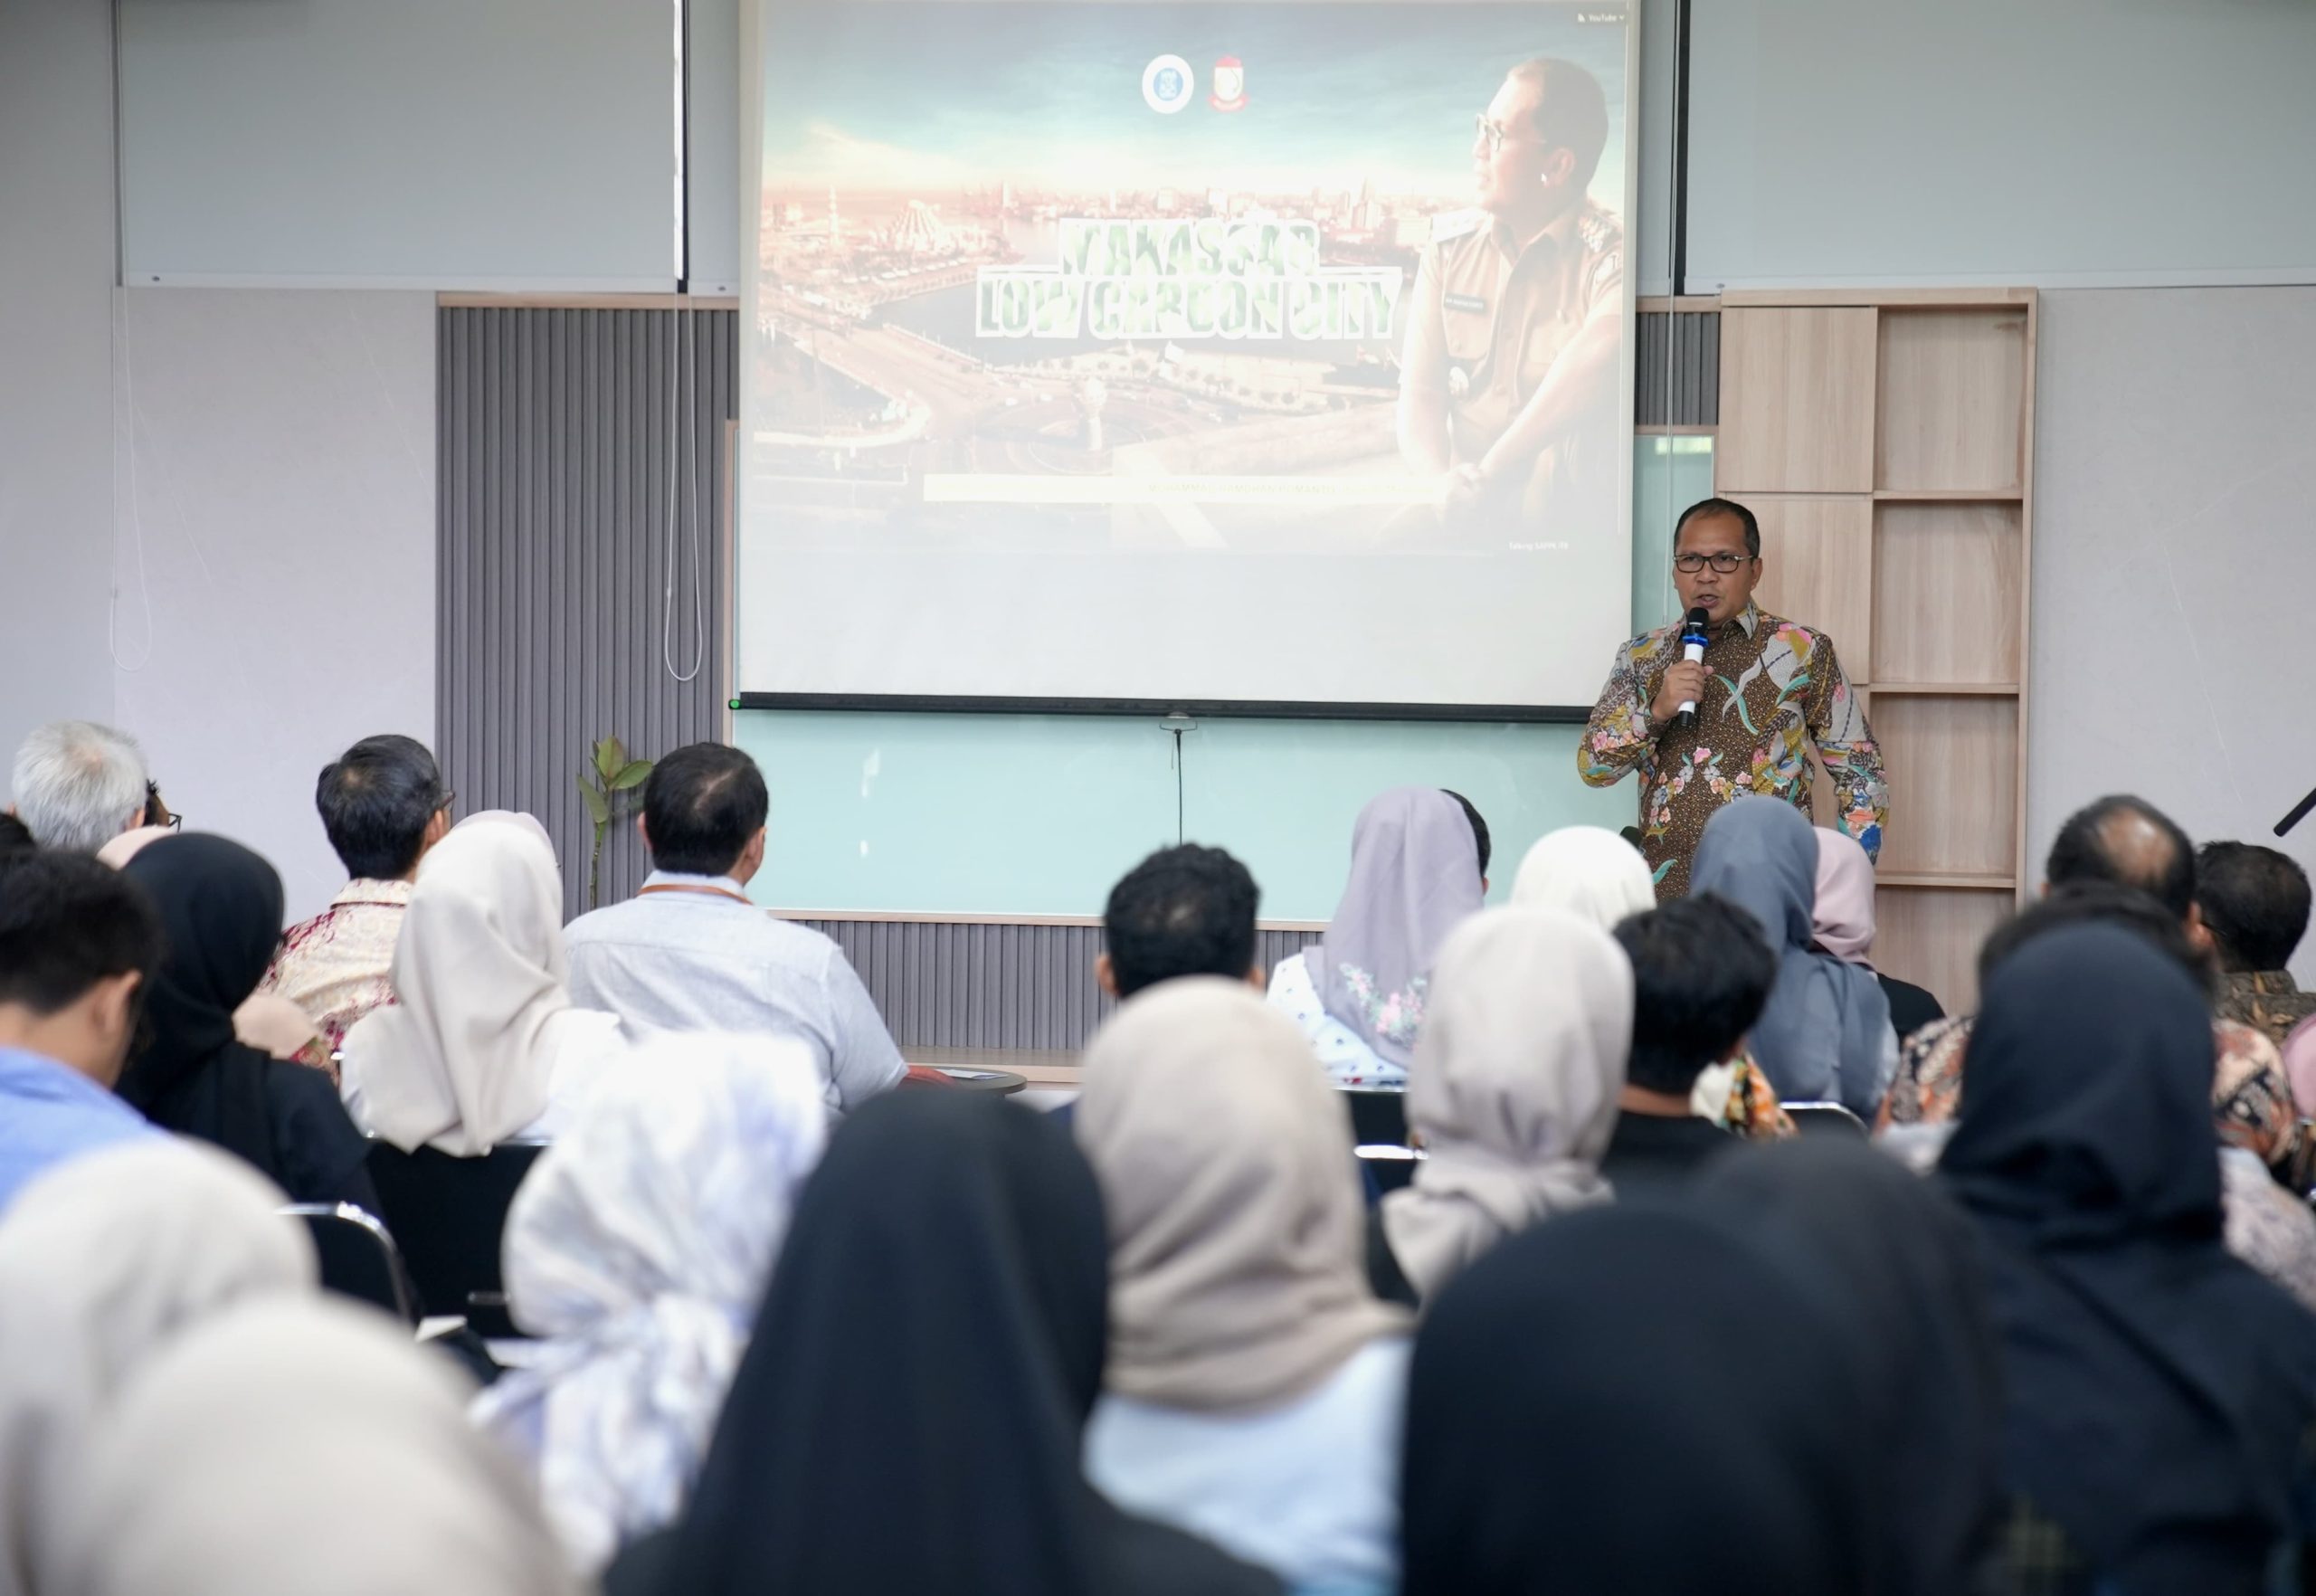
1691 563
1496 134
448 798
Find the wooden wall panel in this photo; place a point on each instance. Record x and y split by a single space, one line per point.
1797 401
1954 765
1929 935
1818 569
1946 580
1951 390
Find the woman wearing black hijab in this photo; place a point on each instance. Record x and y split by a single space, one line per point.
908 1413
221 909
1891 1255
2158 1392
1637 1399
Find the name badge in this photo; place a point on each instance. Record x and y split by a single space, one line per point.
1464 302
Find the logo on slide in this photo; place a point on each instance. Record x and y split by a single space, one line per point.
1230 85
1166 84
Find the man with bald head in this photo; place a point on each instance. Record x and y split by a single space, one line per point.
2130 843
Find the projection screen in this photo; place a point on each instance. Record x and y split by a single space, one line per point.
1260 355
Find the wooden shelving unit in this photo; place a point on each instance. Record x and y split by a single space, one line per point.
1886 440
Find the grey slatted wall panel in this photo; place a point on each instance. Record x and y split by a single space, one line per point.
1677 369
554 469
941 985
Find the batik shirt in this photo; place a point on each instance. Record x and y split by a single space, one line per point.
2268 1001
1781 690
339 965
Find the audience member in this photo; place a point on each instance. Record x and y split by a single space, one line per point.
1895 1259
637 1251
382 805
1824 1032
1841 923
220 913
908 1413
1591 873
14 833
292 1447
2115 845
78 784
1182 911
2253 904
1255 1384
1701 971
103 1261
1484 844
691 953
2159 1391
1639 1399
1513 1094
78 948
1360 992
157 814
483 1043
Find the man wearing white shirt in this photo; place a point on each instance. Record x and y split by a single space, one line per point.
690 952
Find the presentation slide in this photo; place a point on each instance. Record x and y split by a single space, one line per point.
1241 353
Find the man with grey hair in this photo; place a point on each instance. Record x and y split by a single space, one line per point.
78 784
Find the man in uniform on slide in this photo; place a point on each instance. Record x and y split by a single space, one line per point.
1767 691
1508 379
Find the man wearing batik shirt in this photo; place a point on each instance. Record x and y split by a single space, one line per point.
382 805
1767 691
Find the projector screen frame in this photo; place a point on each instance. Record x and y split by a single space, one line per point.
1159 708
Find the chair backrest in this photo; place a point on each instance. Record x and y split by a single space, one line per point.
1818 1119
449 1214
358 1256
1388 1165
1378 1118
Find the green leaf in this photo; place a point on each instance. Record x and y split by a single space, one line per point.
599 808
634 775
608 757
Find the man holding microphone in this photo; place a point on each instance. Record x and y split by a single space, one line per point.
1766 690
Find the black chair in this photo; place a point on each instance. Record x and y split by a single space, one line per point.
358 1256
1825 1119
449 1215
1389 1166
1378 1118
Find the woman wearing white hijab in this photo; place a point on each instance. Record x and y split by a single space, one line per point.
1514 1090
103 1261
1591 873
638 1250
288 1448
484 1043
1254 1382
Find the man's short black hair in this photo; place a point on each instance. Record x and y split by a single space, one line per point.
15 833
1718 506
1479 829
1702 970
2106 903
1182 911
702 806
66 923
375 803
2255 903
2099 844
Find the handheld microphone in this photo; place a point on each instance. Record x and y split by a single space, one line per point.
1697 630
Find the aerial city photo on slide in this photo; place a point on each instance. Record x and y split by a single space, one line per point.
1274 278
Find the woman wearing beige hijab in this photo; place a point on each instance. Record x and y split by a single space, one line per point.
104 1260
1255 1384
484 1044
1586 871
1514 1092
291 1447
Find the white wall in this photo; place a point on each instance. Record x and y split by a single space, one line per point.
2051 142
2175 560
285 496
56 264
422 143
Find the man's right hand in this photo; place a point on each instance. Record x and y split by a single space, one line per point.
1685 682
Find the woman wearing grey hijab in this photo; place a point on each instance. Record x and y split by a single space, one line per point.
103 1261
1513 1091
1826 1033
1359 993
296 1446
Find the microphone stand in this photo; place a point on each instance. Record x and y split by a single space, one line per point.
2299 812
